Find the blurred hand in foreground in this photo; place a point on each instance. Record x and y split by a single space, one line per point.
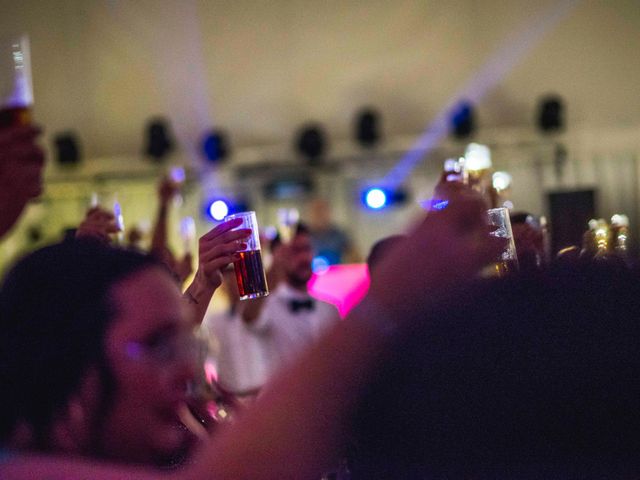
21 166
449 247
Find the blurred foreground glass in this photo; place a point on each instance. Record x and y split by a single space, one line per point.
498 219
104 200
249 269
16 92
288 219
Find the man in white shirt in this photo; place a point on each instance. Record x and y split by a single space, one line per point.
238 352
289 320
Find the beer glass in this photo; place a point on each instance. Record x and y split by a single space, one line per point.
288 219
498 219
250 276
16 92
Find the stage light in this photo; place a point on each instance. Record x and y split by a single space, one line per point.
551 114
159 141
217 206
215 146
311 142
367 127
463 120
320 265
375 198
501 181
67 149
477 157
218 209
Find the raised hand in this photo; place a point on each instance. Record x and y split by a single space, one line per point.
449 247
216 249
98 224
167 190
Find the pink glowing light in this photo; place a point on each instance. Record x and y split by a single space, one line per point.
341 285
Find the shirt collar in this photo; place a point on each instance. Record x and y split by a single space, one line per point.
284 290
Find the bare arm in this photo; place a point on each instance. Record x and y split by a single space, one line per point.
216 250
166 190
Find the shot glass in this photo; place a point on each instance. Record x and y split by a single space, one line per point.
498 219
250 276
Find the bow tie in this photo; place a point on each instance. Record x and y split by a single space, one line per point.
297 305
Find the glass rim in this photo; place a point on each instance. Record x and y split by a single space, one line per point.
497 209
239 214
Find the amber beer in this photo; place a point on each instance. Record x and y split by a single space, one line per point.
250 275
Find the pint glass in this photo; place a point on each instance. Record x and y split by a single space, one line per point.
250 276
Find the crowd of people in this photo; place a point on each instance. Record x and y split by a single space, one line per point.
437 373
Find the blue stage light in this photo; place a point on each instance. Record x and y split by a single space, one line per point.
375 198
218 209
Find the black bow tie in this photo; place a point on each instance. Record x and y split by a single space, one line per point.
296 305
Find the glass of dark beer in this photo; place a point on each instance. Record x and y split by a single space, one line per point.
498 220
16 92
252 282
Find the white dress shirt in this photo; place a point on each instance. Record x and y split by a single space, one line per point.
239 354
284 334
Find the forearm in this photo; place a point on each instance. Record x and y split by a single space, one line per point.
159 236
198 295
297 425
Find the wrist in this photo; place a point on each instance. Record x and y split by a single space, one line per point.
203 282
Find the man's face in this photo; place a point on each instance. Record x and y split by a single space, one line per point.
296 259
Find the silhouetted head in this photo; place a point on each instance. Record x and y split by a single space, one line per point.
524 377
